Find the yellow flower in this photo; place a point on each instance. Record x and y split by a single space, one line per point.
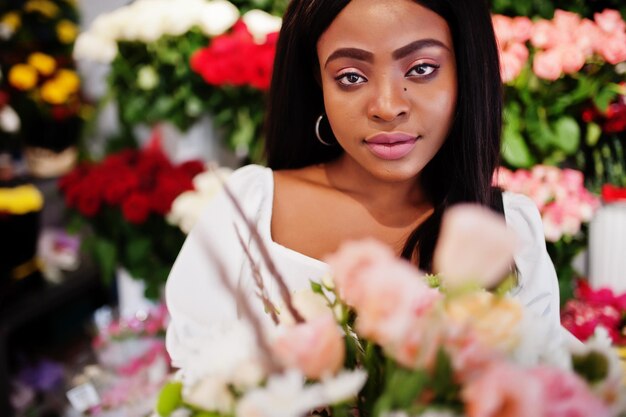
20 200
495 320
66 31
23 76
45 7
12 20
54 92
68 79
45 64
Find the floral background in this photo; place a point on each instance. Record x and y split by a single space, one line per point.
171 65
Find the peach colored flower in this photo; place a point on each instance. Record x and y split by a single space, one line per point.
503 391
393 297
495 321
350 260
458 257
470 357
548 64
566 394
610 21
315 347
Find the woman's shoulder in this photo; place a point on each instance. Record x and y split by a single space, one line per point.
250 177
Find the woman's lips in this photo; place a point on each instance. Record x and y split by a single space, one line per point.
391 146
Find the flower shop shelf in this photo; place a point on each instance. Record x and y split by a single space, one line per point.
38 304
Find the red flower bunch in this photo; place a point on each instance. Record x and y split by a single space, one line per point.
138 182
613 120
235 59
592 308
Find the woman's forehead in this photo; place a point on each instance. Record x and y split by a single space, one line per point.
382 27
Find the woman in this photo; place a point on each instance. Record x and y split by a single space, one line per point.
382 115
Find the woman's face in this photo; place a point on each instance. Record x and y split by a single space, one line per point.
388 75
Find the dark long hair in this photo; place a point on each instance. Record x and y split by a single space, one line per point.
462 169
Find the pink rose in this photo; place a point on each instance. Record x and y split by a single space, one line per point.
572 58
610 21
474 244
513 59
315 347
503 391
522 28
350 260
613 48
548 65
566 394
503 28
545 34
393 299
588 37
565 21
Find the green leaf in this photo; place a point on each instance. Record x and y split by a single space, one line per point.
594 366
604 97
593 134
567 134
138 251
105 253
443 382
515 150
316 288
170 398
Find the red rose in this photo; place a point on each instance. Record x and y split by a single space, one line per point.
192 168
124 183
88 200
136 208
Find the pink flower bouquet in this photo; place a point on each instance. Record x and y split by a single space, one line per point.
392 341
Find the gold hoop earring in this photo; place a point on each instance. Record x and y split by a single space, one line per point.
317 130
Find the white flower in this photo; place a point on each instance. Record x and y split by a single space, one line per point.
286 395
309 304
260 24
210 394
188 206
221 355
9 120
92 47
217 17
147 77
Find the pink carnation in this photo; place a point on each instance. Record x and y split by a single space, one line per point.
503 391
315 347
610 21
548 64
566 394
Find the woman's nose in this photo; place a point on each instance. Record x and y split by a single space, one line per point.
389 102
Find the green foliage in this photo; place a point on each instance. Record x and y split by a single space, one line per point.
146 251
169 399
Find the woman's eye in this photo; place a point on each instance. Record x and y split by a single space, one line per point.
350 78
422 70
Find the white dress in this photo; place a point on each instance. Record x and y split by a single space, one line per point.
200 307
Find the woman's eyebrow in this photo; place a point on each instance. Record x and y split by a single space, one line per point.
417 45
363 55
354 53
